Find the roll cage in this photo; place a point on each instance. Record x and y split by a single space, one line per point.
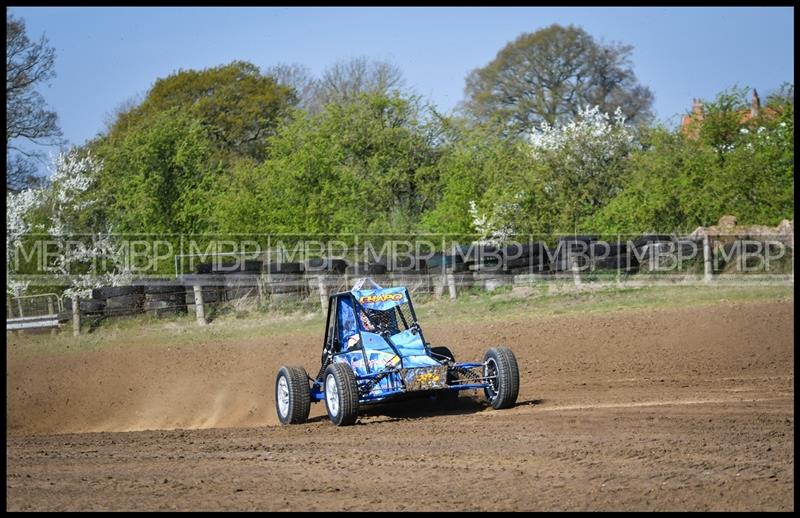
386 322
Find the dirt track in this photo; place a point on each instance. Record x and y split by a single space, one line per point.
688 409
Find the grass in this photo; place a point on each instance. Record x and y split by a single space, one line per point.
473 305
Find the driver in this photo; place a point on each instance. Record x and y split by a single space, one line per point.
366 324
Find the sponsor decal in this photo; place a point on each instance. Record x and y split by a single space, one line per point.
428 378
373 299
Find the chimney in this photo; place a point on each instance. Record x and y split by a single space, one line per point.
697 108
755 105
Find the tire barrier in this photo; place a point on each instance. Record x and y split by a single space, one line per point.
90 307
124 305
366 269
286 283
163 297
410 265
479 265
325 265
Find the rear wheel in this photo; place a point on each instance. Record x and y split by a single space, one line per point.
292 395
341 394
500 367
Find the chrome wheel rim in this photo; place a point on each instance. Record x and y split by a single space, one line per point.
490 369
283 396
332 395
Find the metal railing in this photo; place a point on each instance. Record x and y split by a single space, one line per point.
34 311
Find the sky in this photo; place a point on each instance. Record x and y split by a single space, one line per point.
105 56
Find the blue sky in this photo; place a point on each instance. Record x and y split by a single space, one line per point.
105 56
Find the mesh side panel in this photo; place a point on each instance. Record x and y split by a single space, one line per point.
395 320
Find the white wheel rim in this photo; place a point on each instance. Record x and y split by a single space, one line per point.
283 396
332 395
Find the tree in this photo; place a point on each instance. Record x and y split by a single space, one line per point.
360 166
346 80
722 119
299 78
550 75
484 183
676 183
237 105
77 256
585 163
160 177
28 64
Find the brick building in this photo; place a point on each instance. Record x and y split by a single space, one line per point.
698 114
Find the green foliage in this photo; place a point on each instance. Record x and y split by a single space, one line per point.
664 188
479 165
719 127
360 166
679 183
237 106
160 178
377 164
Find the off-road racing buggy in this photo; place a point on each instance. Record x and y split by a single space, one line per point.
374 351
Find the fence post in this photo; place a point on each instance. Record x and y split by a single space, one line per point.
619 262
576 275
451 285
323 293
260 286
707 259
50 311
76 316
19 306
198 305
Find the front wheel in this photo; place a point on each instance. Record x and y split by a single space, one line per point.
341 394
292 395
500 369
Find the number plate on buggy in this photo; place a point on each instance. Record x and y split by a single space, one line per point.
424 378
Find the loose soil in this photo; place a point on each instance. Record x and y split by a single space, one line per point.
668 409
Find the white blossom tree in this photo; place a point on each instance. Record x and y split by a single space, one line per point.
585 161
495 226
18 207
85 258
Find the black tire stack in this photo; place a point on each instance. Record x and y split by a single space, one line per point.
650 245
164 298
410 265
366 269
479 257
92 307
211 284
286 281
569 247
240 279
525 258
409 271
376 271
324 265
613 256
120 300
451 263
323 272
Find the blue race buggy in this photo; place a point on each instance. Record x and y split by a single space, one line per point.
374 351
